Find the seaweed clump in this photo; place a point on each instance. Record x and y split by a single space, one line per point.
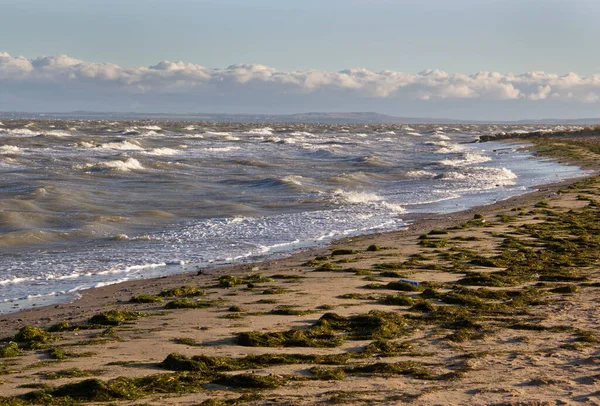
115 317
32 337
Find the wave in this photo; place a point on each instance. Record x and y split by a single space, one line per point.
10 149
261 131
162 151
220 149
57 133
30 237
218 133
352 178
152 127
366 198
482 177
14 280
122 145
420 174
292 180
21 132
447 148
373 160
302 134
150 133
131 164
468 158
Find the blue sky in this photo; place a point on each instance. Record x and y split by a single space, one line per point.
457 37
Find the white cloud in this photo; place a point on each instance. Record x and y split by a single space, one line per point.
70 75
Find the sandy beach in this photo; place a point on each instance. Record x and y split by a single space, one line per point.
495 305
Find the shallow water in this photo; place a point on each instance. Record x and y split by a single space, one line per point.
87 203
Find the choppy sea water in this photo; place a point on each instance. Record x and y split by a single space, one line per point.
89 203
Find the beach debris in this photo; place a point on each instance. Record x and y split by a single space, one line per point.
414 283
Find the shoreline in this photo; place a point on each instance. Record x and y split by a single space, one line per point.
93 299
411 219
492 305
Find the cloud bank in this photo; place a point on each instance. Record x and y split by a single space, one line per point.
69 83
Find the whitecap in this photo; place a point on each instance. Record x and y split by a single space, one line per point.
261 131
468 158
123 145
420 174
483 177
9 149
358 197
150 133
23 132
220 149
123 166
162 151
58 133
302 134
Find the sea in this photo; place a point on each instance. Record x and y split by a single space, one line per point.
88 203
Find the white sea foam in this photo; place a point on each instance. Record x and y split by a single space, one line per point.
199 136
302 134
131 164
21 132
218 133
190 128
123 145
448 148
367 198
131 269
468 158
261 131
420 174
152 127
162 151
220 149
150 133
9 149
58 133
1 125
483 177
130 130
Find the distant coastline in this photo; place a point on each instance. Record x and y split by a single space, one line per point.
310 117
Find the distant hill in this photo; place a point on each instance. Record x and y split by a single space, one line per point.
325 118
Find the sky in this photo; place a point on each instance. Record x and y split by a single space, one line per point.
470 59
